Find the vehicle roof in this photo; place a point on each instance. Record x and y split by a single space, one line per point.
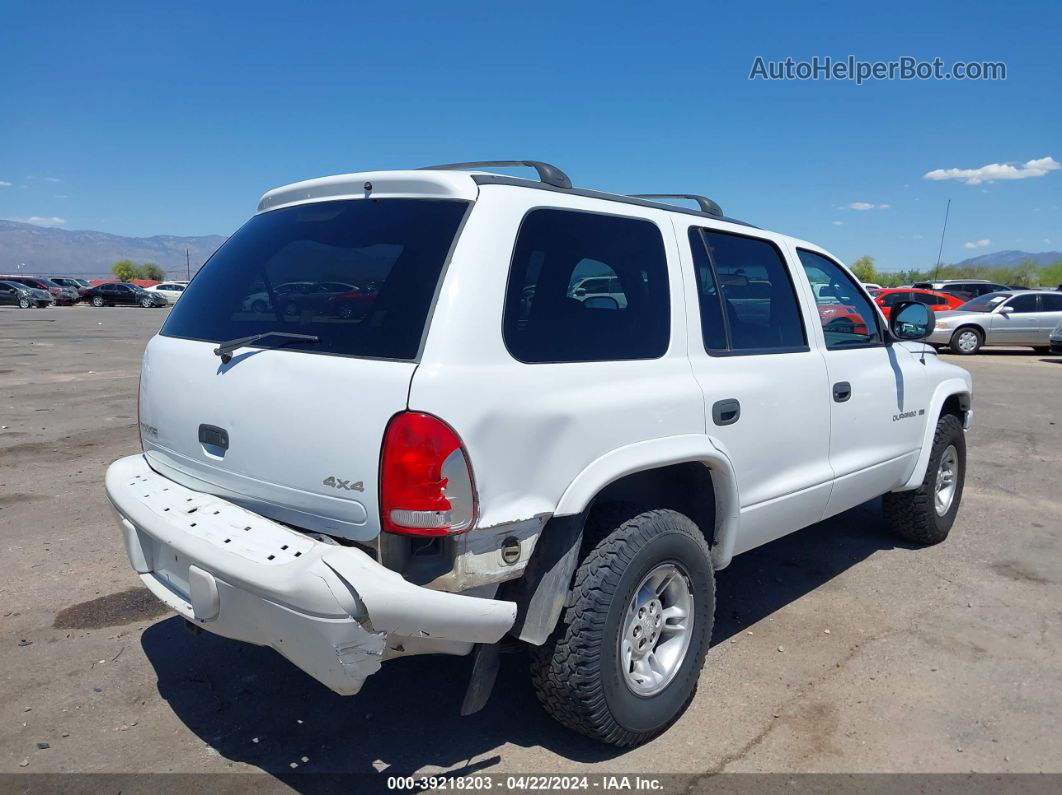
438 184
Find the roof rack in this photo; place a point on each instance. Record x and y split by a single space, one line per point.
706 204
551 175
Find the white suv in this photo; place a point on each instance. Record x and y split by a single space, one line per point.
475 455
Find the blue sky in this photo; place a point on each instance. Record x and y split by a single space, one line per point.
173 118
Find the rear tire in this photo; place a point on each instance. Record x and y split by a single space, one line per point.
925 515
591 674
966 341
1043 350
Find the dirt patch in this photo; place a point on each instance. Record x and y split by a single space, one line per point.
1017 572
124 607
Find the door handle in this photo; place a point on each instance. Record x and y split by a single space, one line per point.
842 390
726 412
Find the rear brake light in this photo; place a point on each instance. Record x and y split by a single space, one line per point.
426 485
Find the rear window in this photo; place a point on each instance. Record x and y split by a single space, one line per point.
359 274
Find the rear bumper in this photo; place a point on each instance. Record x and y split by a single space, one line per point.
331 610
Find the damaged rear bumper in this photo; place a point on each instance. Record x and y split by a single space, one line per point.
331 610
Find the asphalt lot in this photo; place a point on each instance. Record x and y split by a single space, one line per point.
835 649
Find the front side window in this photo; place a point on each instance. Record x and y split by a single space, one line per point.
1023 303
747 300
847 316
587 287
358 274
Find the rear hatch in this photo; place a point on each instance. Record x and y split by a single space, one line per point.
291 427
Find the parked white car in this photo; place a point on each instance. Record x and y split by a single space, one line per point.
480 456
171 291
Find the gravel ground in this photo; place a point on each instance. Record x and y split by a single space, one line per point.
835 649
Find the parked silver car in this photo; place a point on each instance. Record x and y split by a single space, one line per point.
1013 318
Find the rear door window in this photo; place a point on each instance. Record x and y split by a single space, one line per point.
587 287
358 274
747 300
1052 302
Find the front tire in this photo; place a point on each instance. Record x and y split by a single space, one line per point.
97 300
966 341
624 660
25 303
925 515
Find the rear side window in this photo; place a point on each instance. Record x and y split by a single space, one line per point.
1052 302
586 287
359 274
847 316
747 300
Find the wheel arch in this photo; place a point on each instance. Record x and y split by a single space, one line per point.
691 460
950 397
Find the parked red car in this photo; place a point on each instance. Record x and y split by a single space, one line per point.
934 299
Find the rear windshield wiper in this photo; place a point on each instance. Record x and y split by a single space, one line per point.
225 349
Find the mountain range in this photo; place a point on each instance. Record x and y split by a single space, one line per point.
66 252
997 259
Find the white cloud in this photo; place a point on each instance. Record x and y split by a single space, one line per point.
994 171
865 206
42 220
984 243
838 223
1047 240
4 184
916 237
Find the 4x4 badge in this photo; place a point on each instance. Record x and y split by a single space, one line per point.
339 483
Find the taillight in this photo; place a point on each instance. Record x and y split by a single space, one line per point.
426 486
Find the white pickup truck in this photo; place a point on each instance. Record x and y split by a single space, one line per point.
440 449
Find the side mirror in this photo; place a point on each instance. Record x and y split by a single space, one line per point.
911 321
1006 310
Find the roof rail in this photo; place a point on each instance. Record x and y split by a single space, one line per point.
551 175
706 204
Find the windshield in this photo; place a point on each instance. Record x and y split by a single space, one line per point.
359 274
984 303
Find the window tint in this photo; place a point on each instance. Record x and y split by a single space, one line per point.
359 274
586 287
925 298
747 291
846 314
1024 303
1052 302
891 299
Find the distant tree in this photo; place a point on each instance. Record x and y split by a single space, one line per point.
127 270
863 268
152 271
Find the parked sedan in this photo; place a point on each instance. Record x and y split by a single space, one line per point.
1056 340
77 285
1004 318
16 294
62 295
171 291
121 294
